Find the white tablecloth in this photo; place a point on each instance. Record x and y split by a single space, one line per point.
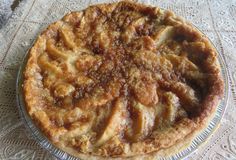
216 18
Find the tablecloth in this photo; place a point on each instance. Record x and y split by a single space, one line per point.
216 18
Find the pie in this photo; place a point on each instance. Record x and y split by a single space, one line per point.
122 80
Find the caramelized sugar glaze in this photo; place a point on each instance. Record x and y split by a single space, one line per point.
121 80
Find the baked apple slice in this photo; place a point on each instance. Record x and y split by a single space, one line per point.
114 122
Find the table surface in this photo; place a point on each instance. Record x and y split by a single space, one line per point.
18 29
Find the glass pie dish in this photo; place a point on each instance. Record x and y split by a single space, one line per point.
45 143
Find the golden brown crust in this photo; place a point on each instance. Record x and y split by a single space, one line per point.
122 80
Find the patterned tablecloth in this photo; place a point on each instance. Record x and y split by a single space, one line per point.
216 18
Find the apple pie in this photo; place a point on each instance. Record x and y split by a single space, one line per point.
122 80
